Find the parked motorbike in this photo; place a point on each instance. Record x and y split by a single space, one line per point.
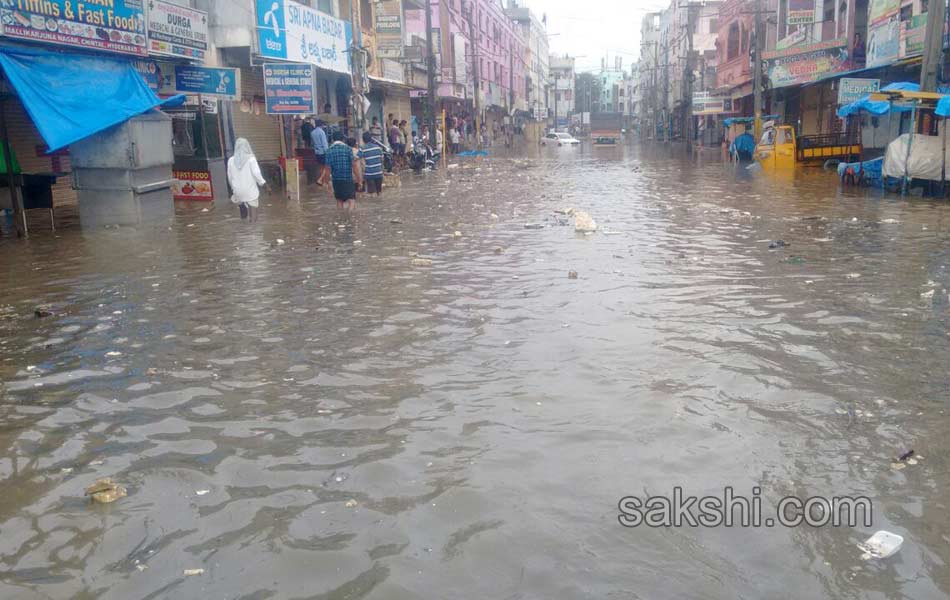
422 158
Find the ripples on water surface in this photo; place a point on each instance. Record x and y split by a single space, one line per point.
485 413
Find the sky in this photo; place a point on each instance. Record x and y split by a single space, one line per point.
592 29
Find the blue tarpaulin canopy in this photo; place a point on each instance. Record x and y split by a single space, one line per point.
875 107
943 107
901 86
72 96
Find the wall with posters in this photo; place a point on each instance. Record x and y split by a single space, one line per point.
806 64
114 26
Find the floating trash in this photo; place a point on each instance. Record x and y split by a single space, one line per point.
881 545
105 491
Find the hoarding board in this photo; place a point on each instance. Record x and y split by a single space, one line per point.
293 32
175 30
805 64
207 81
801 12
883 46
112 25
288 89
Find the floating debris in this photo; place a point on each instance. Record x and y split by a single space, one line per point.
280 241
457 234
777 244
881 545
584 223
572 274
422 262
105 491
534 225
191 572
41 312
202 492
350 504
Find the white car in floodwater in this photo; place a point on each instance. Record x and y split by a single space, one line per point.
559 139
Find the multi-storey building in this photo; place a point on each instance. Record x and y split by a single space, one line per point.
561 95
536 57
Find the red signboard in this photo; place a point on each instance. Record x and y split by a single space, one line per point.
192 185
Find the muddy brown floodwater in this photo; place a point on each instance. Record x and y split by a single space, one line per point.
325 418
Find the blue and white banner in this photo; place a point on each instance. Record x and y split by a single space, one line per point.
207 81
288 89
293 32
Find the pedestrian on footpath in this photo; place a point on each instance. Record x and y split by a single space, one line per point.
318 139
244 176
340 162
376 130
454 140
372 155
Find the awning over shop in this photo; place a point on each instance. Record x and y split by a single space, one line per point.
867 105
72 96
943 107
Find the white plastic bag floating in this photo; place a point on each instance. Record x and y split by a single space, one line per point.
881 545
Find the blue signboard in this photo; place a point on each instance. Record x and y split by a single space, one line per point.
287 30
288 89
207 81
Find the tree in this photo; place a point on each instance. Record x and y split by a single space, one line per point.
587 88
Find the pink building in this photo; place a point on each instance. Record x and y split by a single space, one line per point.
496 58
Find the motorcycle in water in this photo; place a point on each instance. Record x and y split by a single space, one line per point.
422 158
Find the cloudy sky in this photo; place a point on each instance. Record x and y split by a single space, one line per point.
592 29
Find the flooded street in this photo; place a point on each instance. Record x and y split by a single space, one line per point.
328 418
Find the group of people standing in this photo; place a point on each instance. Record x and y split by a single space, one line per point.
349 167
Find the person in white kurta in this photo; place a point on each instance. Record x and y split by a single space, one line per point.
244 175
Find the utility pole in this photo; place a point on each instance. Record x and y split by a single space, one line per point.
556 75
688 78
933 46
757 32
475 66
430 66
666 93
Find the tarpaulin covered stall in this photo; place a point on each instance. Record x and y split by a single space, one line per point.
71 96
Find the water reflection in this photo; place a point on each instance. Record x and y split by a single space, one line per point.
323 418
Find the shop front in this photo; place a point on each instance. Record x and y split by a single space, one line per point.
62 83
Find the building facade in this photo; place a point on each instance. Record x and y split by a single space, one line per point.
537 72
561 93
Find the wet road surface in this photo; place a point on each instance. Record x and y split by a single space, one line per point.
325 418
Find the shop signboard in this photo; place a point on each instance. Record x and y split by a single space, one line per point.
192 185
288 89
109 25
704 104
150 72
912 36
806 64
852 89
175 30
293 32
882 10
801 12
389 40
883 46
207 81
